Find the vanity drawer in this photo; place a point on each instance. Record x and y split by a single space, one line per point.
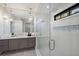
31 40
3 42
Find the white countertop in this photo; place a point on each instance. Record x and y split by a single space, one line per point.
16 37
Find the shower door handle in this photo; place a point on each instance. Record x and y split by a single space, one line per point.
51 44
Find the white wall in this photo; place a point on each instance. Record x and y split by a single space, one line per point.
4 25
1 21
66 38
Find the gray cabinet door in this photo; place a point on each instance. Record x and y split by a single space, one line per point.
3 42
3 48
14 44
3 45
27 43
23 43
31 43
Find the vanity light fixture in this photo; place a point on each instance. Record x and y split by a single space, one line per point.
47 6
11 19
30 18
7 19
5 16
30 15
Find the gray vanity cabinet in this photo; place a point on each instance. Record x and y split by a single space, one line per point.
16 43
21 43
3 45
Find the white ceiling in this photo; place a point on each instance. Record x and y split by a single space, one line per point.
22 9
57 6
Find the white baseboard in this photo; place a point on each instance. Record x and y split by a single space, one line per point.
38 52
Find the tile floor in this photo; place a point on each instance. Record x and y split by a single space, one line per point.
28 52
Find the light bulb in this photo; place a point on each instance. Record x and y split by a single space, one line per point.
5 16
30 19
47 7
11 19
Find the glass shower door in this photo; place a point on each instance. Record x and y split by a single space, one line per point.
43 30
43 38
